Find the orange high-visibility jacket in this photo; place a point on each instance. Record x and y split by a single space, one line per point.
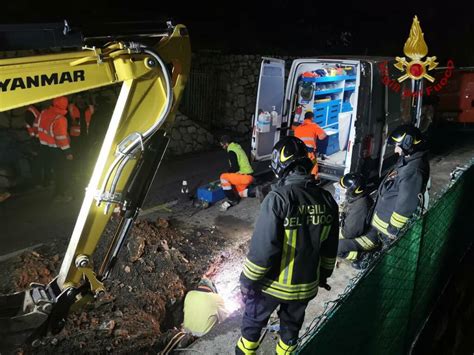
309 132
52 125
33 130
75 114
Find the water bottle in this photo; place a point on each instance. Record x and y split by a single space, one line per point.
274 115
263 122
184 187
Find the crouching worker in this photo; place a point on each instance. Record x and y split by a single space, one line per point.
292 251
354 218
236 181
203 309
400 192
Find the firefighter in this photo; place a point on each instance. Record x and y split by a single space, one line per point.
354 224
236 181
309 132
203 308
400 192
55 145
292 252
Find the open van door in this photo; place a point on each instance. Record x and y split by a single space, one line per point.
397 112
269 108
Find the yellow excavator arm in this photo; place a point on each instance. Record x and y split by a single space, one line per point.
152 83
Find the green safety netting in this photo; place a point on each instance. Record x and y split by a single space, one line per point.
385 307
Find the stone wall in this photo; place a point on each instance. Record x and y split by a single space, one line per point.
187 136
234 102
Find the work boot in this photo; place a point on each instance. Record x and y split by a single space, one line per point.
227 204
362 261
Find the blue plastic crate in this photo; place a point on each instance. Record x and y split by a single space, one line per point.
333 141
211 194
346 107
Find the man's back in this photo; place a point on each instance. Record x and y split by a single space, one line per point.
202 310
309 132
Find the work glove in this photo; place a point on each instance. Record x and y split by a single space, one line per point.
248 292
323 283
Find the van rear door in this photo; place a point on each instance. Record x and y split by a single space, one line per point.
397 112
269 108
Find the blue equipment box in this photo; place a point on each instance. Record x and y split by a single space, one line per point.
333 141
211 192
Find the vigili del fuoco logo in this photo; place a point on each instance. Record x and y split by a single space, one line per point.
415 68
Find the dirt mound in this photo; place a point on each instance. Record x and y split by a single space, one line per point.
145 295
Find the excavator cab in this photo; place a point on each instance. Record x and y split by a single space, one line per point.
152 67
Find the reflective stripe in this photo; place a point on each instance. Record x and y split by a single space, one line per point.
352 255
328 263
396 223
288 257
289 292
253 271
247 347
399 217
379 224
225 184
61 137
365 242
398 220
283 349
325 233
65 147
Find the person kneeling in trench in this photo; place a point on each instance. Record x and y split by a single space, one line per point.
203 309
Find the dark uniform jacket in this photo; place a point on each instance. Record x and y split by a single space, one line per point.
397 197
354 218
295 241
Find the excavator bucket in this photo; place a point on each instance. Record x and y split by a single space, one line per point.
21 317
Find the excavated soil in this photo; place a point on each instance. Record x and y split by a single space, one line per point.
143 306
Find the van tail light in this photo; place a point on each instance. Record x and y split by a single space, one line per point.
367 146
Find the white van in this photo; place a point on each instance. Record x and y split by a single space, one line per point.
351 102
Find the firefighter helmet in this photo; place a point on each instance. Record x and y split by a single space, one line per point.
408 137
288 153
354 183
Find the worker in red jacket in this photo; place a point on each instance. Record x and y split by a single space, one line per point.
55 144
309 132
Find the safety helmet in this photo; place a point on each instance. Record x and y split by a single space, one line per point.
288 153
60 102
354 183
206 283
408 137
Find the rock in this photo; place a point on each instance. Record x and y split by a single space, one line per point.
136 248
107 326
176 135
118 313
127 269
130 288
191 129
162 222
198 234
54 341
121 333
164 245
36 343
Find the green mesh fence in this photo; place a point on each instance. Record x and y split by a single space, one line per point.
383 310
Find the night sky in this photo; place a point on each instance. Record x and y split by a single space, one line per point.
281 26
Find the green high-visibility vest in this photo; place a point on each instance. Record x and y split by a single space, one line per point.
242 160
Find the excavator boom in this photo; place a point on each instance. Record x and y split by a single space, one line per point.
152 81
